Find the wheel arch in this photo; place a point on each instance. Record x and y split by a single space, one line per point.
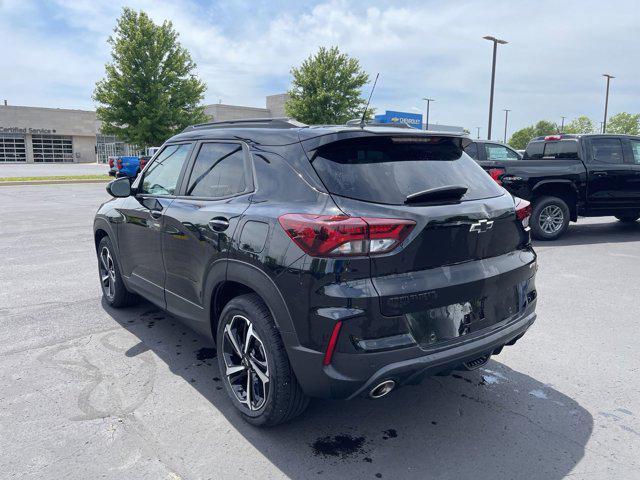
242 278
563 189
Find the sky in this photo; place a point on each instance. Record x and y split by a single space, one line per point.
54 51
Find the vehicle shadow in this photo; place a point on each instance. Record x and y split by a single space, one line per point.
493 423
593 232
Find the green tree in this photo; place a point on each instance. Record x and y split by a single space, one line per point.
327 89
150 90
624 123
521 138
581 124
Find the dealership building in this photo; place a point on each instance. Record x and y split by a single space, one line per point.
56 135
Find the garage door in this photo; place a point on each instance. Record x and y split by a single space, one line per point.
12 148
52 148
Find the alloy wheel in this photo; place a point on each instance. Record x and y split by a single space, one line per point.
245 360
551 219
107 273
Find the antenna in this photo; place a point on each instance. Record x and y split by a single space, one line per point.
364 114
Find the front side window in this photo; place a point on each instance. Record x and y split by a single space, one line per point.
607 150
220 170
635 148
499 152
161 177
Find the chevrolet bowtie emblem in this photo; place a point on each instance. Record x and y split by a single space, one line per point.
481 226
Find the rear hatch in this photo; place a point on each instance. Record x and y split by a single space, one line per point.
465 264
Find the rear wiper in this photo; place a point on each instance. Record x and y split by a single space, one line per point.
448 193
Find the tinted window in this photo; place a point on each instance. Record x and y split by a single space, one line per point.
472 150
556 149
499 152
387 169
635 148
534 150
607 150
161 177
220 170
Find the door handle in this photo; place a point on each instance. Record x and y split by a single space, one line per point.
599 173
218 224
155 214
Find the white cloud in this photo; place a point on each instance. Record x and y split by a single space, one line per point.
551 66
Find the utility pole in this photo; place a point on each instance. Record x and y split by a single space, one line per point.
562 124
428 100
606 102
506 119
478 132
495 41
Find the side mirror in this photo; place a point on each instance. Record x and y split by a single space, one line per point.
119 188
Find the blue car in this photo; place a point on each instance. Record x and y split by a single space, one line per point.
130 166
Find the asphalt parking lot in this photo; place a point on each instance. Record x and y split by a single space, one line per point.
87 391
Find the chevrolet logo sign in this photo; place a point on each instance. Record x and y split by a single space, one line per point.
481 226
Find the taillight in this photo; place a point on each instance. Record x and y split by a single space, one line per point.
496 174
119 164
339 235
523 211
143 162
110 162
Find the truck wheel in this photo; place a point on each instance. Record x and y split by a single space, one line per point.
257 374
628 218
550 218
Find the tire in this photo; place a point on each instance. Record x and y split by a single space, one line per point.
279 399
549 218
113 288
628 218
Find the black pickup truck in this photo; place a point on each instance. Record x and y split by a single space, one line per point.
566 176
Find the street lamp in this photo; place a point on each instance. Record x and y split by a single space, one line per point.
606 102
495 41
562 124
428 100
506 119
478 132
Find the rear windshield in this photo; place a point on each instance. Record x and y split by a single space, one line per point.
557 149
388 169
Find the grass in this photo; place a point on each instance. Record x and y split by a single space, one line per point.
55 177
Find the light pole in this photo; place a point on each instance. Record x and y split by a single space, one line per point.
562 124
478 132
428 100
495 41
506 119
606 102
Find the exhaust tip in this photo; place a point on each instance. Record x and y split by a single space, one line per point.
382 389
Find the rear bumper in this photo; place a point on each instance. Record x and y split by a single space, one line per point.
351 375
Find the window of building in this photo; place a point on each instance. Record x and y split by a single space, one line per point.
52 148
220 171
12 148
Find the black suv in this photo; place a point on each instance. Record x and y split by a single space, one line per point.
329 261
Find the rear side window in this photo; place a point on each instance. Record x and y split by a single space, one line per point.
220 170
557 149
635 149
389 169
472 150
607 150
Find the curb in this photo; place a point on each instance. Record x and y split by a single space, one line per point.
55 182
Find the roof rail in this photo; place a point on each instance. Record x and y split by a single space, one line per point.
356 123
283 122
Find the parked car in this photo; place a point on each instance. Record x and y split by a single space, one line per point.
566 176
330 262
490 150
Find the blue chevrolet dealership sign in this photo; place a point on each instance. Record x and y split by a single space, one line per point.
412 119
